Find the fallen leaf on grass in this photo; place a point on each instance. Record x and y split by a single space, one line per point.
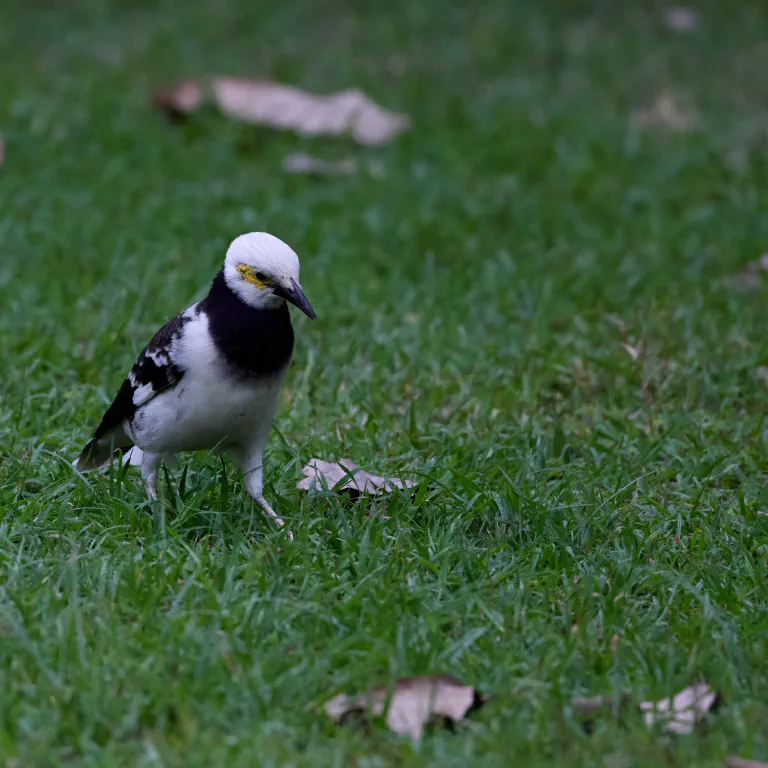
739 762
677 715
301 163
412 704
287 108
680 18
665 112
681 713
355 480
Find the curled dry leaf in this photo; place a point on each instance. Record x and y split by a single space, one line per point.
680 18
288 108
681 713
355 480
301 163
677 715
414 701
739 762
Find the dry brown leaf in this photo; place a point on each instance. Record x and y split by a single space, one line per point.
355 480
680 18
665 112
412 704
681 713
301 163
180 100
677 715
739 762
288 108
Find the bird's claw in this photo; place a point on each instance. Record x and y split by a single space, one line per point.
269 512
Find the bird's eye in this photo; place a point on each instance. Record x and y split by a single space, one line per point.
261 276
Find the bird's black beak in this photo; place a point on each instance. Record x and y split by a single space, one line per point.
296 296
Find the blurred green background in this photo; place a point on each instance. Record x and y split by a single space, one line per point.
531 300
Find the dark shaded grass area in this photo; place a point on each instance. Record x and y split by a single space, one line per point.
475 285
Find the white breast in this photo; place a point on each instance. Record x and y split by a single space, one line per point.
208 408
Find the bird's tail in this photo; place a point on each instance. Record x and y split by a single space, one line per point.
97 453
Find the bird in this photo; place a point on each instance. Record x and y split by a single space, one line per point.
210 377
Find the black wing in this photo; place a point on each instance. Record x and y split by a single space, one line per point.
155 370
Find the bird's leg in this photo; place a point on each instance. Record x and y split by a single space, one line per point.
150 463
253 477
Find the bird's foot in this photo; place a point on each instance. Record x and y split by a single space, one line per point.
269 512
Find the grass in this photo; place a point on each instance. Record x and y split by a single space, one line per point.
474 300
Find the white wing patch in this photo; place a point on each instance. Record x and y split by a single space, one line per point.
143 394
157 368
159 356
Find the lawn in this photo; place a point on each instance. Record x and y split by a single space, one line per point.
526 303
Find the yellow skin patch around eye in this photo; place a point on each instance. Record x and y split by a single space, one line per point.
249 275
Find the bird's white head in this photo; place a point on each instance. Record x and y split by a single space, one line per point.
263 271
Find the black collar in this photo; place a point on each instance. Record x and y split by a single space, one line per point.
254 342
